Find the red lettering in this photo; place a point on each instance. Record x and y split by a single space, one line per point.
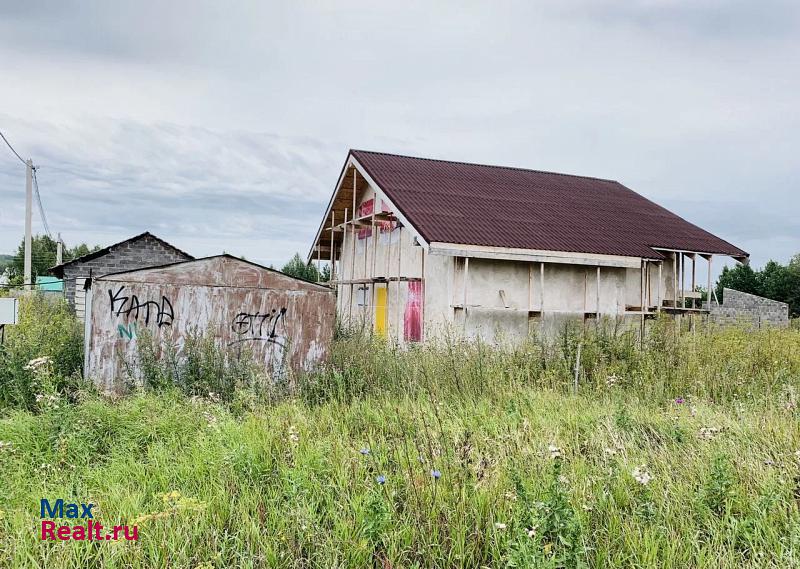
135 535
79 533
64 533
116 531
47 530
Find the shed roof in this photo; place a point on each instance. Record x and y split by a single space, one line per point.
58 270
216 271
475 204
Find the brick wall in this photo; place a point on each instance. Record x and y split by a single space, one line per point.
741 307
139 254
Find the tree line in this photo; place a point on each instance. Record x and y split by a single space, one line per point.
774 281
43 257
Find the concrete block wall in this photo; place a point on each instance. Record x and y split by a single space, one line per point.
141 253
741 307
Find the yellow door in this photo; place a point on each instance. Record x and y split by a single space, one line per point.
380 311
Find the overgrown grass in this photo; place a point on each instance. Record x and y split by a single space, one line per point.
681 454
47 328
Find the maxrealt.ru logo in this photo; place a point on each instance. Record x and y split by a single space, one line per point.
90 531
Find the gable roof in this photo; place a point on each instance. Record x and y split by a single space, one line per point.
223 270
58 270
475 204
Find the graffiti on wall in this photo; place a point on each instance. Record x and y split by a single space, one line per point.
256 326
134 310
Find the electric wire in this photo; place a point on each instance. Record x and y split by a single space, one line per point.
12 148
41 208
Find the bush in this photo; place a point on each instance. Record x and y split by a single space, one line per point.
201 369
47 328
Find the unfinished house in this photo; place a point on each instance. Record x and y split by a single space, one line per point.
420 246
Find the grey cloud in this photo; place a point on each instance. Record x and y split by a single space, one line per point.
224 125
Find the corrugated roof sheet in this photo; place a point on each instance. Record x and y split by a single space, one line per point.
474 204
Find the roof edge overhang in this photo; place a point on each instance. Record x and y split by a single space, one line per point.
744 259
534 255
352 161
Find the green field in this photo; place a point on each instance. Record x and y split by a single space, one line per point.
684 453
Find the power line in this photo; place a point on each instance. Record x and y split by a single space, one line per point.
12 148
39 201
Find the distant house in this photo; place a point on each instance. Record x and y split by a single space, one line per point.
139 252
420 245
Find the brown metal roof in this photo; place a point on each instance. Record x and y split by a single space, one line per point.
474 204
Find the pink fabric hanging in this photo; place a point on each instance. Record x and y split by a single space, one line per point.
412 319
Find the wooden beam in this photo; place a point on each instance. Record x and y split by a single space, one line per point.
597 302
659 299
541 288
333 266
530 287
708 292
399 274
675 279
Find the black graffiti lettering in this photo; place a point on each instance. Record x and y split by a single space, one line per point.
249 326
115 298
130 307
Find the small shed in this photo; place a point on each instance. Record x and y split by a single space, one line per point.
137 252
286 322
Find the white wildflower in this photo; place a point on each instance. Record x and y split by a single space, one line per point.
611 380
708 433
532 532
641 475
555 452
36 363
499 525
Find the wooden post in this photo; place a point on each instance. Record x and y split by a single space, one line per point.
694 274
464 299
399 272
585 292
541 288
374 257
424 293
319 258
675 279
341 261
659 299
530 287
353 259
333 260
708 292
597 300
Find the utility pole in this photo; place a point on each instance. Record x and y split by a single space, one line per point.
28 216
59 250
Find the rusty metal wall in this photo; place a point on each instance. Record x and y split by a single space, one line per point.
285 322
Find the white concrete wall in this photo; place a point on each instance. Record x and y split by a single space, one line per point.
569 291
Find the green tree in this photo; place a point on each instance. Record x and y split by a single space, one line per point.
774 281
296 267
742 278
44 250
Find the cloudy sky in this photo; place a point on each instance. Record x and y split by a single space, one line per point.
223 125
